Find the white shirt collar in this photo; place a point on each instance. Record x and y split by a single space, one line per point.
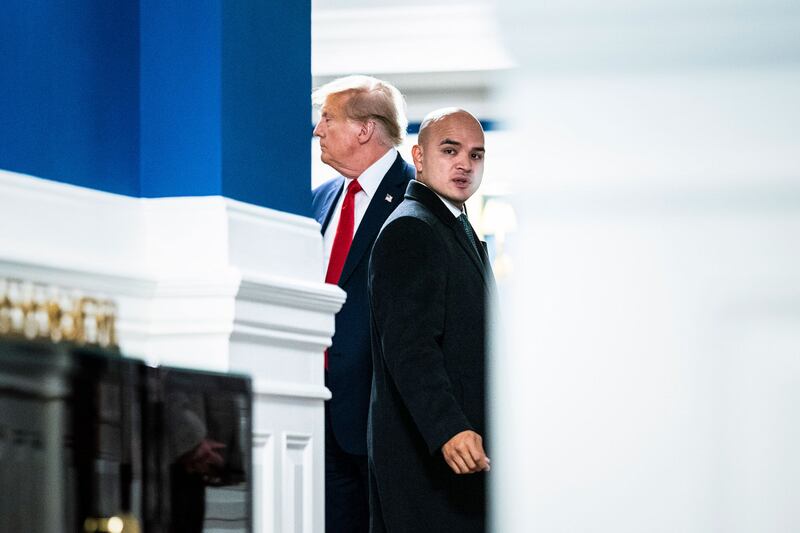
447 203
371 178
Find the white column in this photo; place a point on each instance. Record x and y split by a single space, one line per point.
646 375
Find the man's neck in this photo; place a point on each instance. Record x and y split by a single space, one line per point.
454 208
365 160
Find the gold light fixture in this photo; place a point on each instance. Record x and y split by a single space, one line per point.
34 311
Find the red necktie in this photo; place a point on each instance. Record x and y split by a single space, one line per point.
343 238
344 234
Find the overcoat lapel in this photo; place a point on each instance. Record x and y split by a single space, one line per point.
421 193
468 247
386 198
487 266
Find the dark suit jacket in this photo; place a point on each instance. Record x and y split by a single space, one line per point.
428 292
349 362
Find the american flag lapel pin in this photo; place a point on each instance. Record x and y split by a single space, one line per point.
388 198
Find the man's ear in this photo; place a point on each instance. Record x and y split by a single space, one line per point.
366 131
416 154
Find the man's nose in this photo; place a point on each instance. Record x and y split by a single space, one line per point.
465 162
318 129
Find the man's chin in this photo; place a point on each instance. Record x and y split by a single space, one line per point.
459 197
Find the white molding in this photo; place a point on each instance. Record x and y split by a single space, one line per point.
264 508
71 275
44 189
296 441
297 452
263 215
261 438
290 390
280 336
291 293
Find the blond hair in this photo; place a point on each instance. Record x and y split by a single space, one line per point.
369 98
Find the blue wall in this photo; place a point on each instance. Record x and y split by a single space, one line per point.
266 103
181 88
154 98
69 92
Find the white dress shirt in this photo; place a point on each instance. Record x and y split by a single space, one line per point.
370 180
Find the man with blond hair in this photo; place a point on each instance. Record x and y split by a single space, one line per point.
362 121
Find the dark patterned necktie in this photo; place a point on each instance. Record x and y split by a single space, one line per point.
470 234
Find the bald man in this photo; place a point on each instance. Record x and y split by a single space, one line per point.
428 283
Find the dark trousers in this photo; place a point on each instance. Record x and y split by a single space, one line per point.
346 487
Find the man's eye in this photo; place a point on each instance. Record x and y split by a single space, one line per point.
477 157
449 151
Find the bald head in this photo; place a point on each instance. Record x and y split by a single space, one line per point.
449 154
436 116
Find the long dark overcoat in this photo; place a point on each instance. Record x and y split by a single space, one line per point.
428 290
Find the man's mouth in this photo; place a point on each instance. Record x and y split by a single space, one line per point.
461 182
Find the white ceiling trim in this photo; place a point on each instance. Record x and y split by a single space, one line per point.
415 40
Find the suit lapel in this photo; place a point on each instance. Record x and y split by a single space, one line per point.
329 202
428 198
393 184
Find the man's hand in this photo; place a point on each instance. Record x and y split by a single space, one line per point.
464 453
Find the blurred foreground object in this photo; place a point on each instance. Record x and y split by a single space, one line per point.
647 364
86 443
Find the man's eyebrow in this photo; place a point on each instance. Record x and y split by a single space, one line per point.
447 141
